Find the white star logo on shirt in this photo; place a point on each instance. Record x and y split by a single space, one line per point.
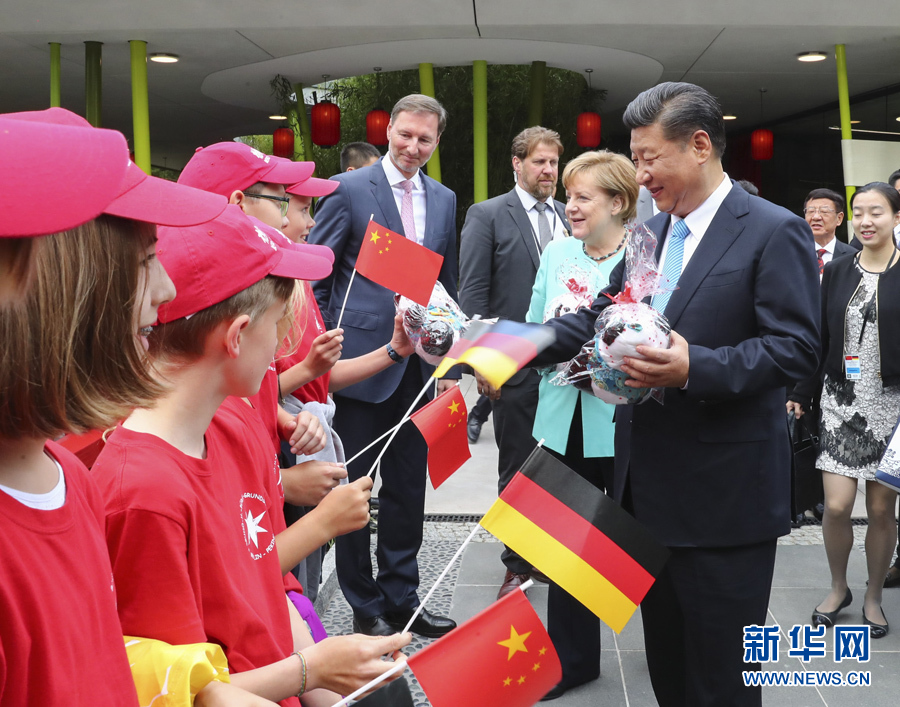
253 528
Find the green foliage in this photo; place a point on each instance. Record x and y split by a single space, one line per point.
566 95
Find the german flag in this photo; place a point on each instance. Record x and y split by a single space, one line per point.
497 351
578 536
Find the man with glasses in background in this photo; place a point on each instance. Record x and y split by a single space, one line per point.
823 210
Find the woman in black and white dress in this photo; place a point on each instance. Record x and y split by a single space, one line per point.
858 388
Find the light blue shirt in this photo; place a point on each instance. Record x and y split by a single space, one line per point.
562 261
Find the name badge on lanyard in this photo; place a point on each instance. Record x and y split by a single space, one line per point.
851 368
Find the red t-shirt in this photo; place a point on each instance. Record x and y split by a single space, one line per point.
60 638
266 404
192 541
309 321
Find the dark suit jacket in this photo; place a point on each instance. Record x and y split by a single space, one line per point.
711 466
841 248
341 220
499 259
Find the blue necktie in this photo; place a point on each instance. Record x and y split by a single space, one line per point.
672 267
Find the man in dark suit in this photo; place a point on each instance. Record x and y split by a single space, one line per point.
708 471
499 254
823 210
394 192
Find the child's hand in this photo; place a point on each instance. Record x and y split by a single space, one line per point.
399 340
306 484
345 508
344 664
325 352
308 436
221 694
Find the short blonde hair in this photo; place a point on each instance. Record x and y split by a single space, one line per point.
69 357
613 173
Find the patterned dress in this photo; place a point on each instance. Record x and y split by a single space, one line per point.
858 416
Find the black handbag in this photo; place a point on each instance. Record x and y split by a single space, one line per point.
806 480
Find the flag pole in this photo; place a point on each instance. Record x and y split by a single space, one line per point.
397 667
349 285
375 441
440 577
397 428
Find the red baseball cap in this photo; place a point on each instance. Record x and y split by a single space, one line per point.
79 166
211 262
319 251
138 195
227 167
313 187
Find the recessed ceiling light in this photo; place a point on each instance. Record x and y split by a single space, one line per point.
729 116
278 117
812 56
161 58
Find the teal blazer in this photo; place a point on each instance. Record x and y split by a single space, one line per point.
561 262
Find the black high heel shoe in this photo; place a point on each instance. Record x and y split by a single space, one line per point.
826 618
876 630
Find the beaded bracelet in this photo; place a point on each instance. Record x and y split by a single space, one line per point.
302 672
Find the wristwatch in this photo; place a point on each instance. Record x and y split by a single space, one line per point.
395 357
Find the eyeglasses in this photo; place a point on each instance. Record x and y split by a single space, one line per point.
283 201
809 211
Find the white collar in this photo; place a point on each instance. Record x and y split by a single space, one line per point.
699 219
528 200
395 176
828 248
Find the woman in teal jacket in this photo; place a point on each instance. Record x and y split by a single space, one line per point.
576 427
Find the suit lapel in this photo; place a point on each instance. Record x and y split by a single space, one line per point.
721 234
431 215
520 216
561 212
384 197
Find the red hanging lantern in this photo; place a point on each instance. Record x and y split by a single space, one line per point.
376 126
283 143
587 132
326 124
762 144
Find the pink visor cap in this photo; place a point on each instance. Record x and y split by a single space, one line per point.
78 166
227 167
282 241
313 187
137 195
213 261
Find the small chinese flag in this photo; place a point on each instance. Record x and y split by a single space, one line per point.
398 263
502 656
443 425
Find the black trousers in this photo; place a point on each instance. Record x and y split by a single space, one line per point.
401 501
514 415
694 616
573 628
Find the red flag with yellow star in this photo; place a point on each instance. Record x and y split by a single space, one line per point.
443 425
398 263
502 656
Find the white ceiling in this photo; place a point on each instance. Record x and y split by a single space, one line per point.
231 49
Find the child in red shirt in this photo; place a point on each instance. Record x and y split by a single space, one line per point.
197 469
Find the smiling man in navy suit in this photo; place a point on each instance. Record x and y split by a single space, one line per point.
708 471
395 193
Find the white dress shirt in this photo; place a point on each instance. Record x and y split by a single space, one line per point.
828 255
394 177
697 222
557 229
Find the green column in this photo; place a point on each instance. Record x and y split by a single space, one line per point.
140 104
303 122
840 55
538 85
93 84
479 129
426 86
55 71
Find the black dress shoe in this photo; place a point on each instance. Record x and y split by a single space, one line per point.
826 618
876 630
372 626
473 429
511 582
892 578
426 624
562 687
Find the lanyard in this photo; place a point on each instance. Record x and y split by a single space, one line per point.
869 309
